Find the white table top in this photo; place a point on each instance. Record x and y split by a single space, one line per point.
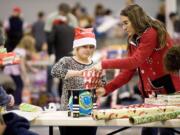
60 118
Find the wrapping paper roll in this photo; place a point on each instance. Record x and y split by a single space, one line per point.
153 117
163 100
108 114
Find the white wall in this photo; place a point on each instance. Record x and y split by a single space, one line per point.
31 7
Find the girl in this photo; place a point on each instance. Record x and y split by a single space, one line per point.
70 70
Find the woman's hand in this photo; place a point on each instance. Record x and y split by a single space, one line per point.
100 91
97 67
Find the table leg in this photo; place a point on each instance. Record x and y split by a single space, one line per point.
50 130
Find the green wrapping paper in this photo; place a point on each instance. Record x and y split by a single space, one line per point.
154 117
108 114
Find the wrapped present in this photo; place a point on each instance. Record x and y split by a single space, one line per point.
154 117
91 78
81 103
29 107
3 50
9 58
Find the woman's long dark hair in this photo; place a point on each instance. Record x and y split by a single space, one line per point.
141 21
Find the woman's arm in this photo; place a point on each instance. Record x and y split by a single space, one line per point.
145 48
119 81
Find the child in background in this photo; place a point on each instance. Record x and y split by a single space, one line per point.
172 60
5 99
26 50
70 70
11 123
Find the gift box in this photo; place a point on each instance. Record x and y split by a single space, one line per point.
9 58
91 79
81 102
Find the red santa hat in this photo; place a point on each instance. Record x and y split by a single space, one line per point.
84 36
17 9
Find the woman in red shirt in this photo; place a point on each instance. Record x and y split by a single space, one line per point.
148 42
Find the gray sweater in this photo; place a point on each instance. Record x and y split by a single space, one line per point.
60 69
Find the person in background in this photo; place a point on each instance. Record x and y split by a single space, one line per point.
5 99
129 2
70 70
175 19
148 42
84 19
172 60
26 50
11 123
38 32
14 29
63 10
161 15
61 40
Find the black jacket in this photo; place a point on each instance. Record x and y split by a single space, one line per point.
16 125
61 40
14 33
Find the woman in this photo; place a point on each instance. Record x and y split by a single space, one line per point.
70 70
148 42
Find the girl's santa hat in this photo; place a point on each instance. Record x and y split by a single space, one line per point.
84 37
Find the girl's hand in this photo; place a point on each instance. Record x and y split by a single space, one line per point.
100 91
